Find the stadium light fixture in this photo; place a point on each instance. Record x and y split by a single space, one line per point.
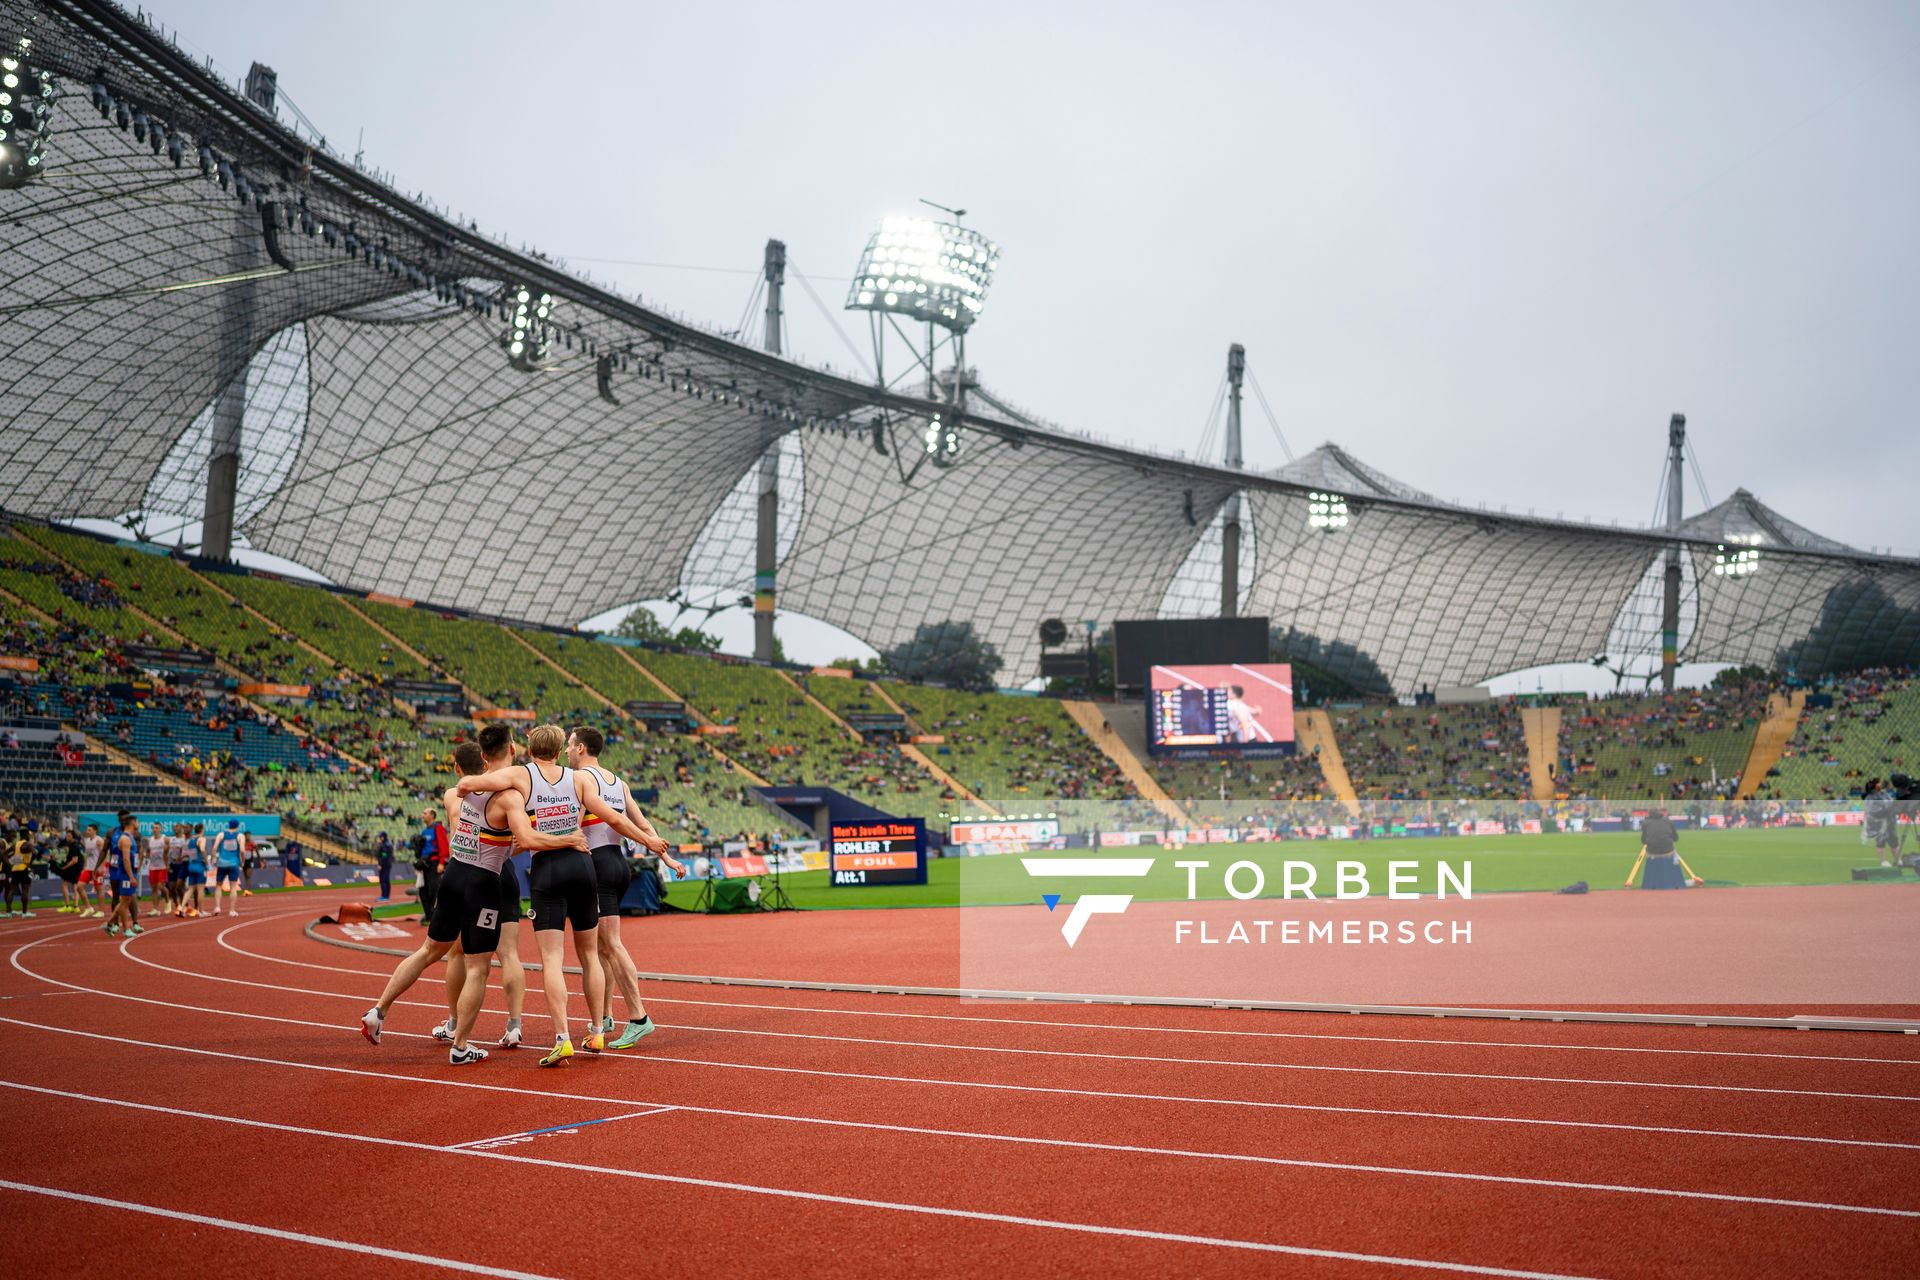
1737 561
1326 511
26 105
942 442
937 272
526 337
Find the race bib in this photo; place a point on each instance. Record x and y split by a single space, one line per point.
489 918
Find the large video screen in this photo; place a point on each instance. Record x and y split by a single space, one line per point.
1244 709
1140 644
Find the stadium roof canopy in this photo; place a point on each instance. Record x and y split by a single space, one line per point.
391 443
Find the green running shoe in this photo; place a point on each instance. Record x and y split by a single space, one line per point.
633 1034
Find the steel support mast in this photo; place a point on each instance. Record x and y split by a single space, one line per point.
1230 524
767 512
1670 597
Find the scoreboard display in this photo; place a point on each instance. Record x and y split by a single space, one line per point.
1240 709
883 851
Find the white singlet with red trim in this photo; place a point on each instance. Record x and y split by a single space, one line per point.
554 807
601 835
473 841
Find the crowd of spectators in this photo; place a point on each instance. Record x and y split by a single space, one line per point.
1475 751
1023 755
1853 729
360 767
1661 747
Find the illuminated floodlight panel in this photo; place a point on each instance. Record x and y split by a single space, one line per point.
1737 558
932 271
1326 511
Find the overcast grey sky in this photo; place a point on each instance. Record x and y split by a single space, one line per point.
1487 247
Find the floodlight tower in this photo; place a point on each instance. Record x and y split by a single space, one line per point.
1230 525
938 273
1670 599
767 513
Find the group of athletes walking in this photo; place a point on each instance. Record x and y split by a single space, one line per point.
104 875
573 821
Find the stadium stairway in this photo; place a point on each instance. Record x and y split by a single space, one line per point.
946 779
700 718
473 698
881 692
161 629
820 706
1097 723
1314 731
210 581
912 753
572 679
1543 749
1771 739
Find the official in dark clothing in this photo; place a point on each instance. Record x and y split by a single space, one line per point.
430 856
383 857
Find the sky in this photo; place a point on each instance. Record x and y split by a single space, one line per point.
1488 248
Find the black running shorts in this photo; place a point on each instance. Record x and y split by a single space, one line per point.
467 908
613 875
563 891
510 894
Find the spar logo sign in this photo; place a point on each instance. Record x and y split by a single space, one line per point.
1088 905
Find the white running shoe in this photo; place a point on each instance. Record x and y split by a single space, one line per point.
443 1032
510 1040
465 1057
371 1024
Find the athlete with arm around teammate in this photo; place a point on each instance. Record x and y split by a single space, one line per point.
496 749
564 892
467 910
612 875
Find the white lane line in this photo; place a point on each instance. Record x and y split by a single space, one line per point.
1409 1072
1321 1108
967 1135
1116 1026
252 1228
817 1197
1335 1166
575 1127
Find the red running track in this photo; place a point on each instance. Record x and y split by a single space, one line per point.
199 1099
